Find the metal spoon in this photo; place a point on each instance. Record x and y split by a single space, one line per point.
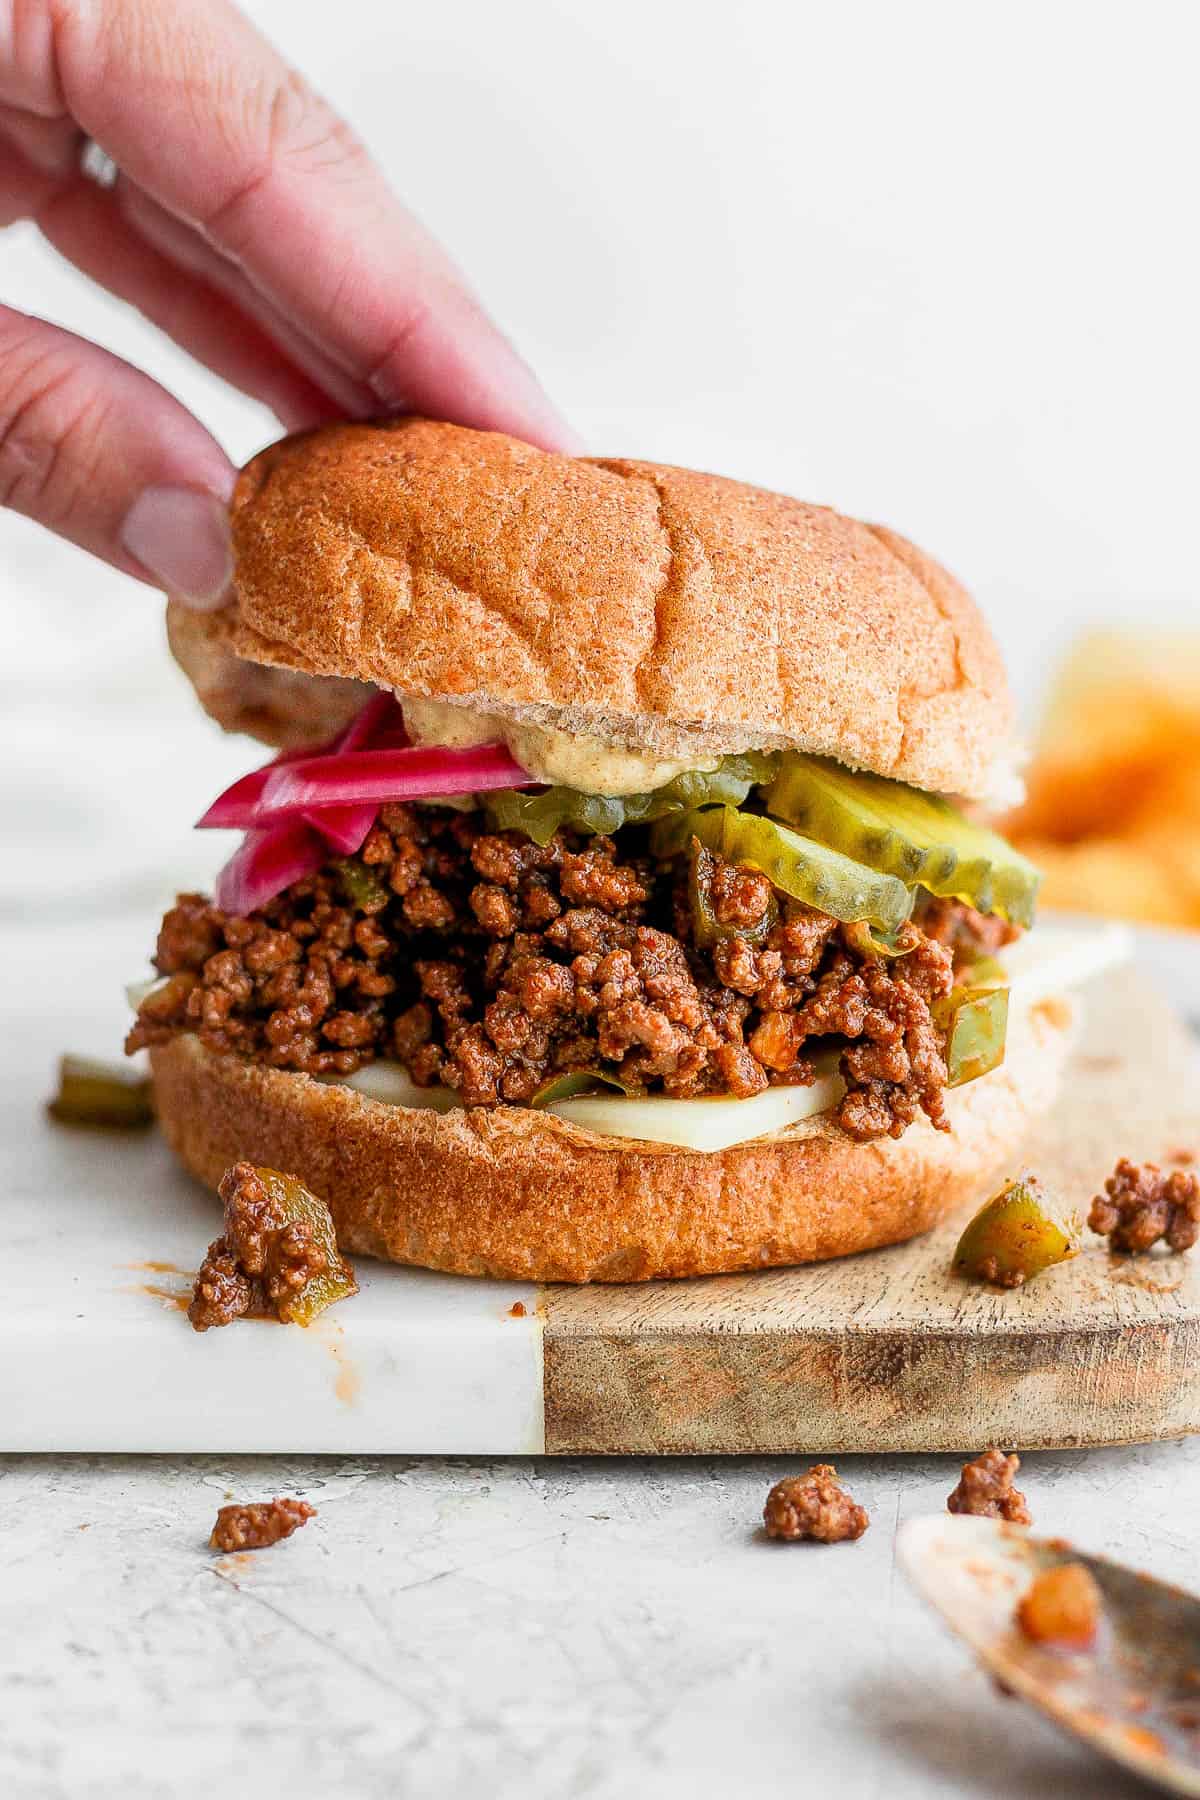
1134 1697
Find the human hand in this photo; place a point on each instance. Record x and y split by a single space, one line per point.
248 223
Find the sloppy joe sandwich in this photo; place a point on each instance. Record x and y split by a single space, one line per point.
615 906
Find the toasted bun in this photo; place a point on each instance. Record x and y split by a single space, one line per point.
654 607
520 1195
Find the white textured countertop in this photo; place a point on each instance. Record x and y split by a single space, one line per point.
518 1627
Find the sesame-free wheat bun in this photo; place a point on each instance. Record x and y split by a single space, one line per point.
654 607
659 610
517 1194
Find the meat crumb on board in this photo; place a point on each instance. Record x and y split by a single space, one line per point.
276 1258
1140 1204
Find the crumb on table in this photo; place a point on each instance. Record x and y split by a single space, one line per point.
259 1525
985 1489
814 1507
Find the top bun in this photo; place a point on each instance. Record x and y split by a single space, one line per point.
657 608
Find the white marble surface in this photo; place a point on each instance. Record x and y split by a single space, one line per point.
103 1234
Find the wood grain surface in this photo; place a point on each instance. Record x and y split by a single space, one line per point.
890 1351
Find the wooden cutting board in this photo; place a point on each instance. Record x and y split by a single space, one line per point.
890 1351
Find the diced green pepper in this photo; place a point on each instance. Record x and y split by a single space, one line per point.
1015 1236
975 1019
362 886
297 1205
578 1081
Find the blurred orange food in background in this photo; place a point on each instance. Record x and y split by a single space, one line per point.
1112 815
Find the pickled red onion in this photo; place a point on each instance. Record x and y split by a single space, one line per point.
239 807
345 828
304 803
265 863
375 776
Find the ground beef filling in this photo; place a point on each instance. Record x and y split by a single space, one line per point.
487 964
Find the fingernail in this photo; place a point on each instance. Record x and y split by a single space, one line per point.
181 538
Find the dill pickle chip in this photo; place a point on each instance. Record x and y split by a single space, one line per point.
101 1094
539 815
902 831
578 1081
808 871
1015 1236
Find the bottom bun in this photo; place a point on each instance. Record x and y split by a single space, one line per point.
517 1194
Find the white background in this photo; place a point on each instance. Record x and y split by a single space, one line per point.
933 263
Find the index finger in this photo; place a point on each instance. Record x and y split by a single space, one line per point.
204 115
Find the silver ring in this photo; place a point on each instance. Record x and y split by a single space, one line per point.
97 164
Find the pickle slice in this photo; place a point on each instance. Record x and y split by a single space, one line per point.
1015 1236
905 832
578 1081
539 815
808 871
101 1094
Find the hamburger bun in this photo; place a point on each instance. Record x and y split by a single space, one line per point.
518 1194
656 608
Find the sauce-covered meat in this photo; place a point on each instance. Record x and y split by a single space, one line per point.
1140 1204
259 1525
985 1488
815 1507
488 964
276 1258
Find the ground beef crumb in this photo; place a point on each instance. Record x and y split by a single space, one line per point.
262 1259
223 1291
813 1506
1140 1205
489 964
985 1489
258 1526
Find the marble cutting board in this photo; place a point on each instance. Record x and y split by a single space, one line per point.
880 1352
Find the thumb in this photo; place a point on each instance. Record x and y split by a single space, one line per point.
100 454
